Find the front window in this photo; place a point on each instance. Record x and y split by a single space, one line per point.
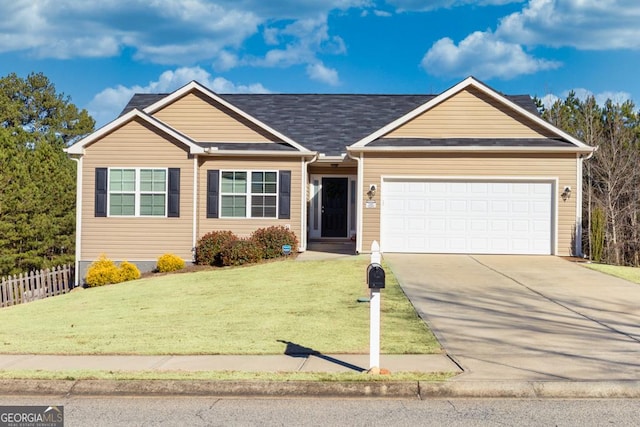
137 192
263 194
249 194
234 194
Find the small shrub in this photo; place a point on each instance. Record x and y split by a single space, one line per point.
210 246
240 252
128 271
169 262
102 271
272 239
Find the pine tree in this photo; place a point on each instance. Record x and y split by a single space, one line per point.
37 179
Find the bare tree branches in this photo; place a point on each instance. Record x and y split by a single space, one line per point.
612 176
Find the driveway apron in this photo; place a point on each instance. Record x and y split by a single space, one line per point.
503 317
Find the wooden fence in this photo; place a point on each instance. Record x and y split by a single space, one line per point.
36 285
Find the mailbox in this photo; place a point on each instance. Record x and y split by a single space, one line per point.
375 276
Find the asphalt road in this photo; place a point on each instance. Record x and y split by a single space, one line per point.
199 411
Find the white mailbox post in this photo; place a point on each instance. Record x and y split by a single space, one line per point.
374 304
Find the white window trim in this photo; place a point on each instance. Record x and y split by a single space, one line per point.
247 194
138 192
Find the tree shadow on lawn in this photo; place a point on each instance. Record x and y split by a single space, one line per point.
297 350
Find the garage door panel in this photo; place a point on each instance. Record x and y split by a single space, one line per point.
436 206
417 224
500 207
457 225
467 217
416 206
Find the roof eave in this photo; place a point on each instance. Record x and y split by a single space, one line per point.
472 149
257 153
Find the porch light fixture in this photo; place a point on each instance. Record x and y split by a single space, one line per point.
566 193
372 191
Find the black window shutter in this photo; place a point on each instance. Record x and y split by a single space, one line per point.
213 178
284 198
101 192
173 196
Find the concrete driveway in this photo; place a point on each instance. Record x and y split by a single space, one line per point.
525 317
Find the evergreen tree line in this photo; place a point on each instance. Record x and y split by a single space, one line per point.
611 177
37 179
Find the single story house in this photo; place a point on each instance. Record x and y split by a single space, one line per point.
470 170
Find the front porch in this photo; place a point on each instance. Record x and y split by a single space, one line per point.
328 249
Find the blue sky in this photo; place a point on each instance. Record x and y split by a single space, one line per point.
100 53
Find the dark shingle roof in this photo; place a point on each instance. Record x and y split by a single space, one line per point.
326 123
142 101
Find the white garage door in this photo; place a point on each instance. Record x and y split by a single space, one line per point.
467 217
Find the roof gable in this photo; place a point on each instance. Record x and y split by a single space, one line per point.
206 121
470 113
516 120
135 114
237 118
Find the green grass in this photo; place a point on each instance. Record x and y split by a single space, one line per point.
222 376
249 310
631 274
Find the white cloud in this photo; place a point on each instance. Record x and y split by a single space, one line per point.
222 85
615 97
382 13
321 73
225 61
582 94
303 40
429 5
174 32
106 105
548 100
161 31
482 55
582 24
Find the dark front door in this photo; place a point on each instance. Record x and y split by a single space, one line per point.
334 207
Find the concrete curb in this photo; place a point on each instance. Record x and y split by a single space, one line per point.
391 389
530 389
370 389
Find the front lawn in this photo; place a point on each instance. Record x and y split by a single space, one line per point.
261 309
631 274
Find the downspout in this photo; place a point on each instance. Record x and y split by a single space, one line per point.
304 205
78 254
194 230
581 159
578 228
360 161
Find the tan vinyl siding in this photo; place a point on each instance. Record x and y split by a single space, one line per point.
205 121
562 167
136 144
243 227
470 114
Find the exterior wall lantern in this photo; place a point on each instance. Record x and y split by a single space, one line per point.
566 193
372 191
